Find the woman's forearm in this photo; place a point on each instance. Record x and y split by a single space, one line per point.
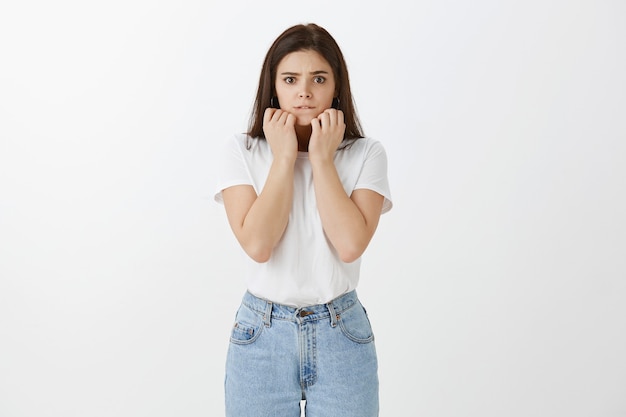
260 227
348 228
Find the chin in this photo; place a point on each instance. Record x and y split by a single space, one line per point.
300 122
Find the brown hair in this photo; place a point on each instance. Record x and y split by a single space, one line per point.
298 38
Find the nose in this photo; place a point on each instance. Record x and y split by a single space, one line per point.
304 94
306 91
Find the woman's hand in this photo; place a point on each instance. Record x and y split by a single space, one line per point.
327 134
259 221
349 221
280 133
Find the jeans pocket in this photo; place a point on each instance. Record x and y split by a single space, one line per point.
355 324
247 328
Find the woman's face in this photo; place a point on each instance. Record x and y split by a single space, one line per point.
305 85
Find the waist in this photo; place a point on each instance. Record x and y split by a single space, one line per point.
313 312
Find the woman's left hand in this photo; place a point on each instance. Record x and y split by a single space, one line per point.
327 134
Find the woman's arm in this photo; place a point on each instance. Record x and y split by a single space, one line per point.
349 221
259 222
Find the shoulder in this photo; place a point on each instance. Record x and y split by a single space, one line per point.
243 142
242 145
238 140
363 143
365 147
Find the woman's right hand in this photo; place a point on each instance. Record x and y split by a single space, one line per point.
280 133
259 221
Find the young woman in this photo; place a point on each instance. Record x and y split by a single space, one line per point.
303 191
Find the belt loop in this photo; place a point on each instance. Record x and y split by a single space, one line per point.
333 316
267 317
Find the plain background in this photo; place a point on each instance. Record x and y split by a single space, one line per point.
496 286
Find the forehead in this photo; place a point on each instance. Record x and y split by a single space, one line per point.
307 59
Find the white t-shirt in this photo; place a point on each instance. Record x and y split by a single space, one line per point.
304 268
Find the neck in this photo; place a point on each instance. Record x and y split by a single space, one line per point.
303 134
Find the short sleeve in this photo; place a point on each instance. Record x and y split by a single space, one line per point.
232 170
373 175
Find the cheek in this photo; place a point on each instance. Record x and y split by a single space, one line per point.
330 95
328 102
283 93
278 86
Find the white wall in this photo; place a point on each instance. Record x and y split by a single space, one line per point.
495 286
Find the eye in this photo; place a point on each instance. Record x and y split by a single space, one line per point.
289 80
319 80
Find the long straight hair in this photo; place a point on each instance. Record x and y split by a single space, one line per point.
303 38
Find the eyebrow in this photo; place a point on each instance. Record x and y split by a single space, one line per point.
297 73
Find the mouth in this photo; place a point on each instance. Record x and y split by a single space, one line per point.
304 107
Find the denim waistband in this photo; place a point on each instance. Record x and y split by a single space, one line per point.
315 312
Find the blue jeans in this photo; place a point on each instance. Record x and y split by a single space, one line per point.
279 355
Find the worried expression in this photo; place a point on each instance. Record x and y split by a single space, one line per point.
305 85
